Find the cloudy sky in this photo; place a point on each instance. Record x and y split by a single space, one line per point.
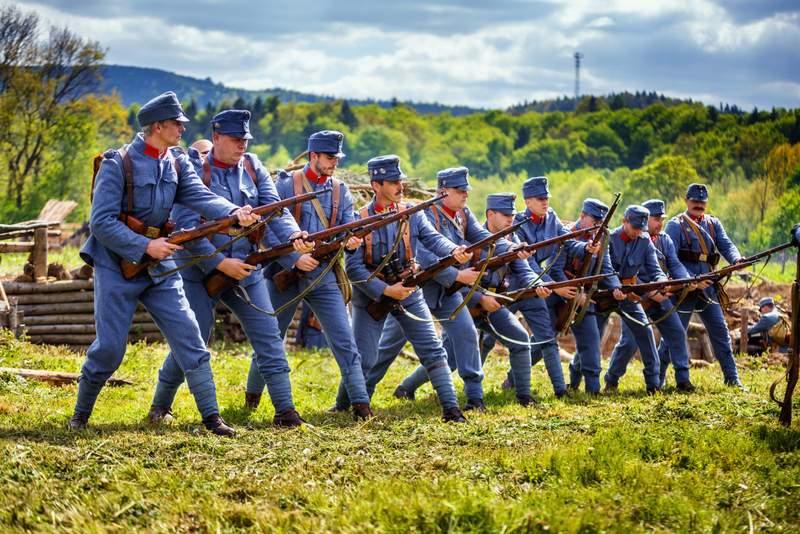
488 53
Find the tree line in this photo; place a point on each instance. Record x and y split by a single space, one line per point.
53 122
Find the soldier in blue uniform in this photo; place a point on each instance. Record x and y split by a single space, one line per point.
491 317
386 178
325 298
632 254
548 265
762 335
659 309
586 363
141 182
499 321
239 177
456 222
701 241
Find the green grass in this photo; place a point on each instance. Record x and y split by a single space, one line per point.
713 461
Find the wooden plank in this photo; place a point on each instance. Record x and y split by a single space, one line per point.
86 339
50 309
743 330
16 246
45 329
54 298
24 288
39 254
57 378
77 318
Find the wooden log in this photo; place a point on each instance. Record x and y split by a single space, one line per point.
77 318
86 339
24 288
46 329
57 378
708 350
27 232
17 246
53 298
743 331
39 254
64 307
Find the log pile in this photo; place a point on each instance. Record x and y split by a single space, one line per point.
62 313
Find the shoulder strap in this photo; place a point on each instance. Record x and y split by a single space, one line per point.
250 169
712 231
297 189
364 213
407 238
698 232
127 171
437 221
336 184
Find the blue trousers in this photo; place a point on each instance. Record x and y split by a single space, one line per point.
423 338
673 346
507 325
710 312
460 339
115 303
634 317
261 330
586 363
327 304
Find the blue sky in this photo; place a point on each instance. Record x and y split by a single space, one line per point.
475 52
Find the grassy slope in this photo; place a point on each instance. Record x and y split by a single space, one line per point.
714 460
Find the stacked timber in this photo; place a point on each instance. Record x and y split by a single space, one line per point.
62 313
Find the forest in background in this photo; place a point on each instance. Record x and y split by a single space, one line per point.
53 123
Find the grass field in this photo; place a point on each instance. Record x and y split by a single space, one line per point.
713 461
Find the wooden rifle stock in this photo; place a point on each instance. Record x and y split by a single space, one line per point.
217 282
381 308
530 292
130 270
507 257
287 277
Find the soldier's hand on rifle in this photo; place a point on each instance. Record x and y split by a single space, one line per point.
467 276
489 304
657 296
524 254
460 255
633 297
618 294
592 247
566 292
398 291
353 243
245 215
300 244
704 284
306 263
160 248
543 292
235 268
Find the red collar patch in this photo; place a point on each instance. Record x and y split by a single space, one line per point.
318 179
153 152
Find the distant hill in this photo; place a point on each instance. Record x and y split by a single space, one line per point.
613 101
138 85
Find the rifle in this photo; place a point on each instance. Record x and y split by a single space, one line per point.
381 308
507 257
570 313
217 281
287 277
130 270
530 292
670 285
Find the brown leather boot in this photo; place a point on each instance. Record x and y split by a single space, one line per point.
160 415
79 421
252 400
288 419
453 415
216 425
362 411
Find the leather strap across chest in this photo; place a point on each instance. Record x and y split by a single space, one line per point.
300 185
368 259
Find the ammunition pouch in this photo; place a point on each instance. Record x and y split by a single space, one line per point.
698 257
151 232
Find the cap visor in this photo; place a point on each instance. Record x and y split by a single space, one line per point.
182 118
